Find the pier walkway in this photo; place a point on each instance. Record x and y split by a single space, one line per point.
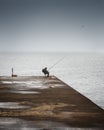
39 98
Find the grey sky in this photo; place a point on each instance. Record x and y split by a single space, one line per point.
52 25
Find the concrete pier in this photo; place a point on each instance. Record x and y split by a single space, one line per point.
39 98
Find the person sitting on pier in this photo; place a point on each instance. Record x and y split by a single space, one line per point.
45 71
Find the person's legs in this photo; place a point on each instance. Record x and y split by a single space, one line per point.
47 74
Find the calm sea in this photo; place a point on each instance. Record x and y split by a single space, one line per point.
82 71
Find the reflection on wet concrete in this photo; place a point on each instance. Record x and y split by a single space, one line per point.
20 124
19 92
12 105
25 84
33 84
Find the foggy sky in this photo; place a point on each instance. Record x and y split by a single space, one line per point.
52 25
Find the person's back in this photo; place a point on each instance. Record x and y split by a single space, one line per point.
45 71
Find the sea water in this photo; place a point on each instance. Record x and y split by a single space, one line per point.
82 71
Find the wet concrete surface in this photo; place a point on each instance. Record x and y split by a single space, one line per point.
41 103
20 124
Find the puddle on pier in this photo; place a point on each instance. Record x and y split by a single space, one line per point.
20 124
26 85
19 92
12 105
32 84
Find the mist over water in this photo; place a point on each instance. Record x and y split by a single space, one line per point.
82 71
